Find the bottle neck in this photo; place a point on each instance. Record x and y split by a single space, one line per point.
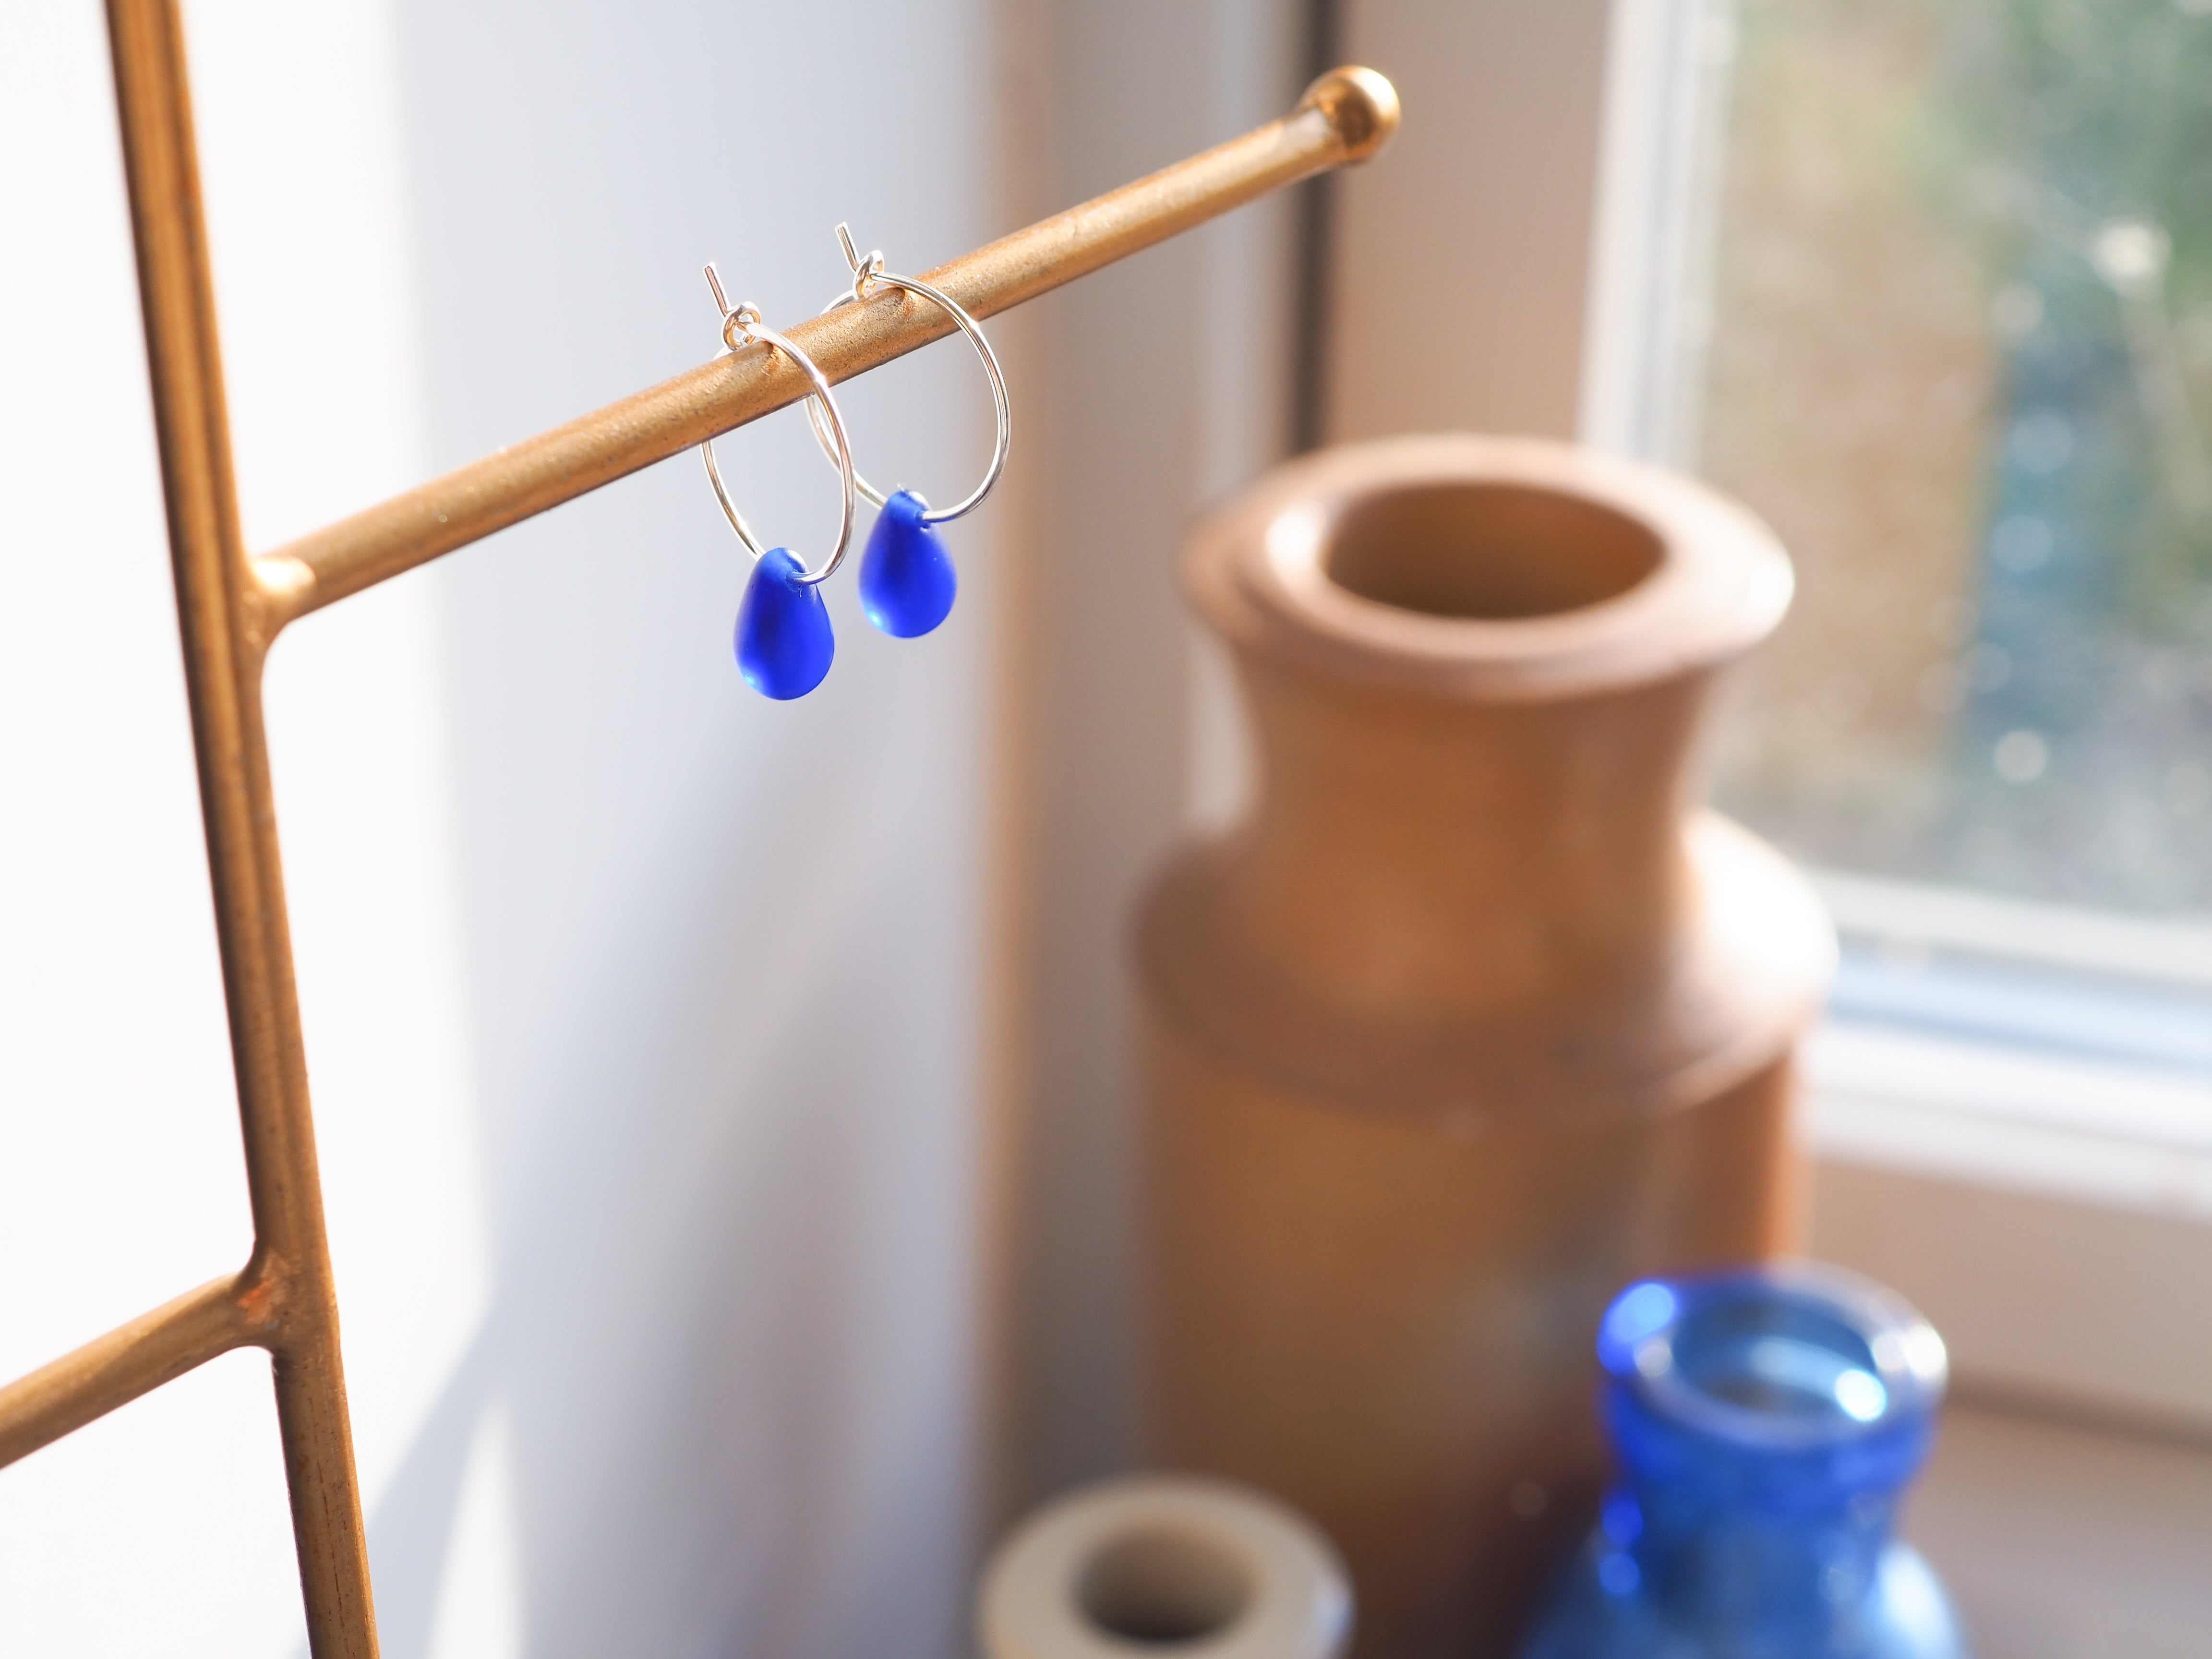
1801 1575
1765 1422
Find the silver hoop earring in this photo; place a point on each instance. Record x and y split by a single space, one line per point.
906 579
784 642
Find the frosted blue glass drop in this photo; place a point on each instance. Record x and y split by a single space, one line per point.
907 580
784 642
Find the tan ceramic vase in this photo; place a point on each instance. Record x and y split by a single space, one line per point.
1473 1017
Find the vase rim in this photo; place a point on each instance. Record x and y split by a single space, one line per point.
1689 579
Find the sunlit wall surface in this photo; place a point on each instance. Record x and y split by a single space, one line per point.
643 1015
1961 357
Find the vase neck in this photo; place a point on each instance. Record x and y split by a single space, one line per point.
1474 667
1482 856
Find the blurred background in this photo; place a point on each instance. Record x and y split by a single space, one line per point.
722 1102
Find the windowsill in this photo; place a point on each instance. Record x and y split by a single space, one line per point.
2053 1216
2010 1108
2115 1566
2100 1132
1917 914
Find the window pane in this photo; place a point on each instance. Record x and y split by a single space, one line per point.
1961 358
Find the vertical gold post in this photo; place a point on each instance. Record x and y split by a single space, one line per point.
218 614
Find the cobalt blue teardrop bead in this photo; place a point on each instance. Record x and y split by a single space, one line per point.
784 642
907 581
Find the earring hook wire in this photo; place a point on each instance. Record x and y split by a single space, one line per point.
741 327
867 273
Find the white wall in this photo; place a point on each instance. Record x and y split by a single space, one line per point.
1164 385
643 1015
1462 254
119 1173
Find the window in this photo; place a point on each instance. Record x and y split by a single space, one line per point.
1962 358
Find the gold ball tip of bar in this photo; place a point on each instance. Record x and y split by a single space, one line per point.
1360 104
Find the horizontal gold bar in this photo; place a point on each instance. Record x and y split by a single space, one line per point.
1346 116
232 1312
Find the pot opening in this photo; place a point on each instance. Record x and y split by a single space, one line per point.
1160 1586
1488 551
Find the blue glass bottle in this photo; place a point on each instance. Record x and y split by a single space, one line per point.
1764 1424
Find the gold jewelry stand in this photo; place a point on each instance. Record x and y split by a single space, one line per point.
231 606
